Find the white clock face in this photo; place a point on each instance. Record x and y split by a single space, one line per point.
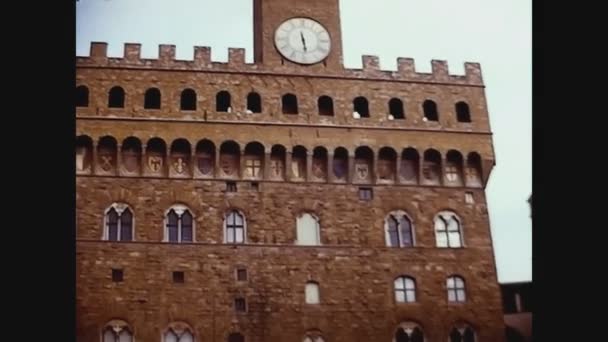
302 40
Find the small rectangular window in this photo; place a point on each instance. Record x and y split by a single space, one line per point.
178 277
117 275
230 186
366 194
468 198
241 274
240 305
255 186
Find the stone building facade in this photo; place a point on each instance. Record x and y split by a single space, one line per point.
284 199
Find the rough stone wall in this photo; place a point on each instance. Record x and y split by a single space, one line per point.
354 269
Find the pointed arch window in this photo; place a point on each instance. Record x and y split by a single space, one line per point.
179 224
118 223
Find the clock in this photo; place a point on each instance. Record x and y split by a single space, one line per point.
302 40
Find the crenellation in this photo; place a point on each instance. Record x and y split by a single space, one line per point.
371 68
132 53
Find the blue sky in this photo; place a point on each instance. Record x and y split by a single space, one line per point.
495 33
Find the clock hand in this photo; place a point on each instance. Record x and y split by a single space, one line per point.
303 41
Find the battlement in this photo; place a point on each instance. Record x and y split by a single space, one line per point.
406 70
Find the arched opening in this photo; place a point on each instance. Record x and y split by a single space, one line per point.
117 331
222 102
462 112
307 230
395 108
289 104
116 98
430 110
409 332
298 163
453 168
84 154
236 337
398 230
131 155
387 161
82 96
431 168
180 157
277 162
230 160
364 164
205 155
152 99
319 163
254 160
325 105
254 102
178 332
473 170
107 150
361 106
312 293
235 227
410 166
448 230
188 100
156 150
179 224
340 163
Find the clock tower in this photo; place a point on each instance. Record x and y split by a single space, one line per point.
319 15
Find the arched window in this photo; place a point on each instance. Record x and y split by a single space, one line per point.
456 289
408 332
116 98
313 336
289 104
180 158
410 166
236 337
117 331
188 100
430 110
118 224
82 96
179 224
453 168
462 333
131 155
473 170
431 167
84 153
312 293
361 106
462 112
325 105
387 160
222 102
254 160
395 108
152 99
254 102
106 154
319 163
340 163
277 162
205 157
405 289
307 227
298 163
234 227
178 332
398 229
448 230
230 159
